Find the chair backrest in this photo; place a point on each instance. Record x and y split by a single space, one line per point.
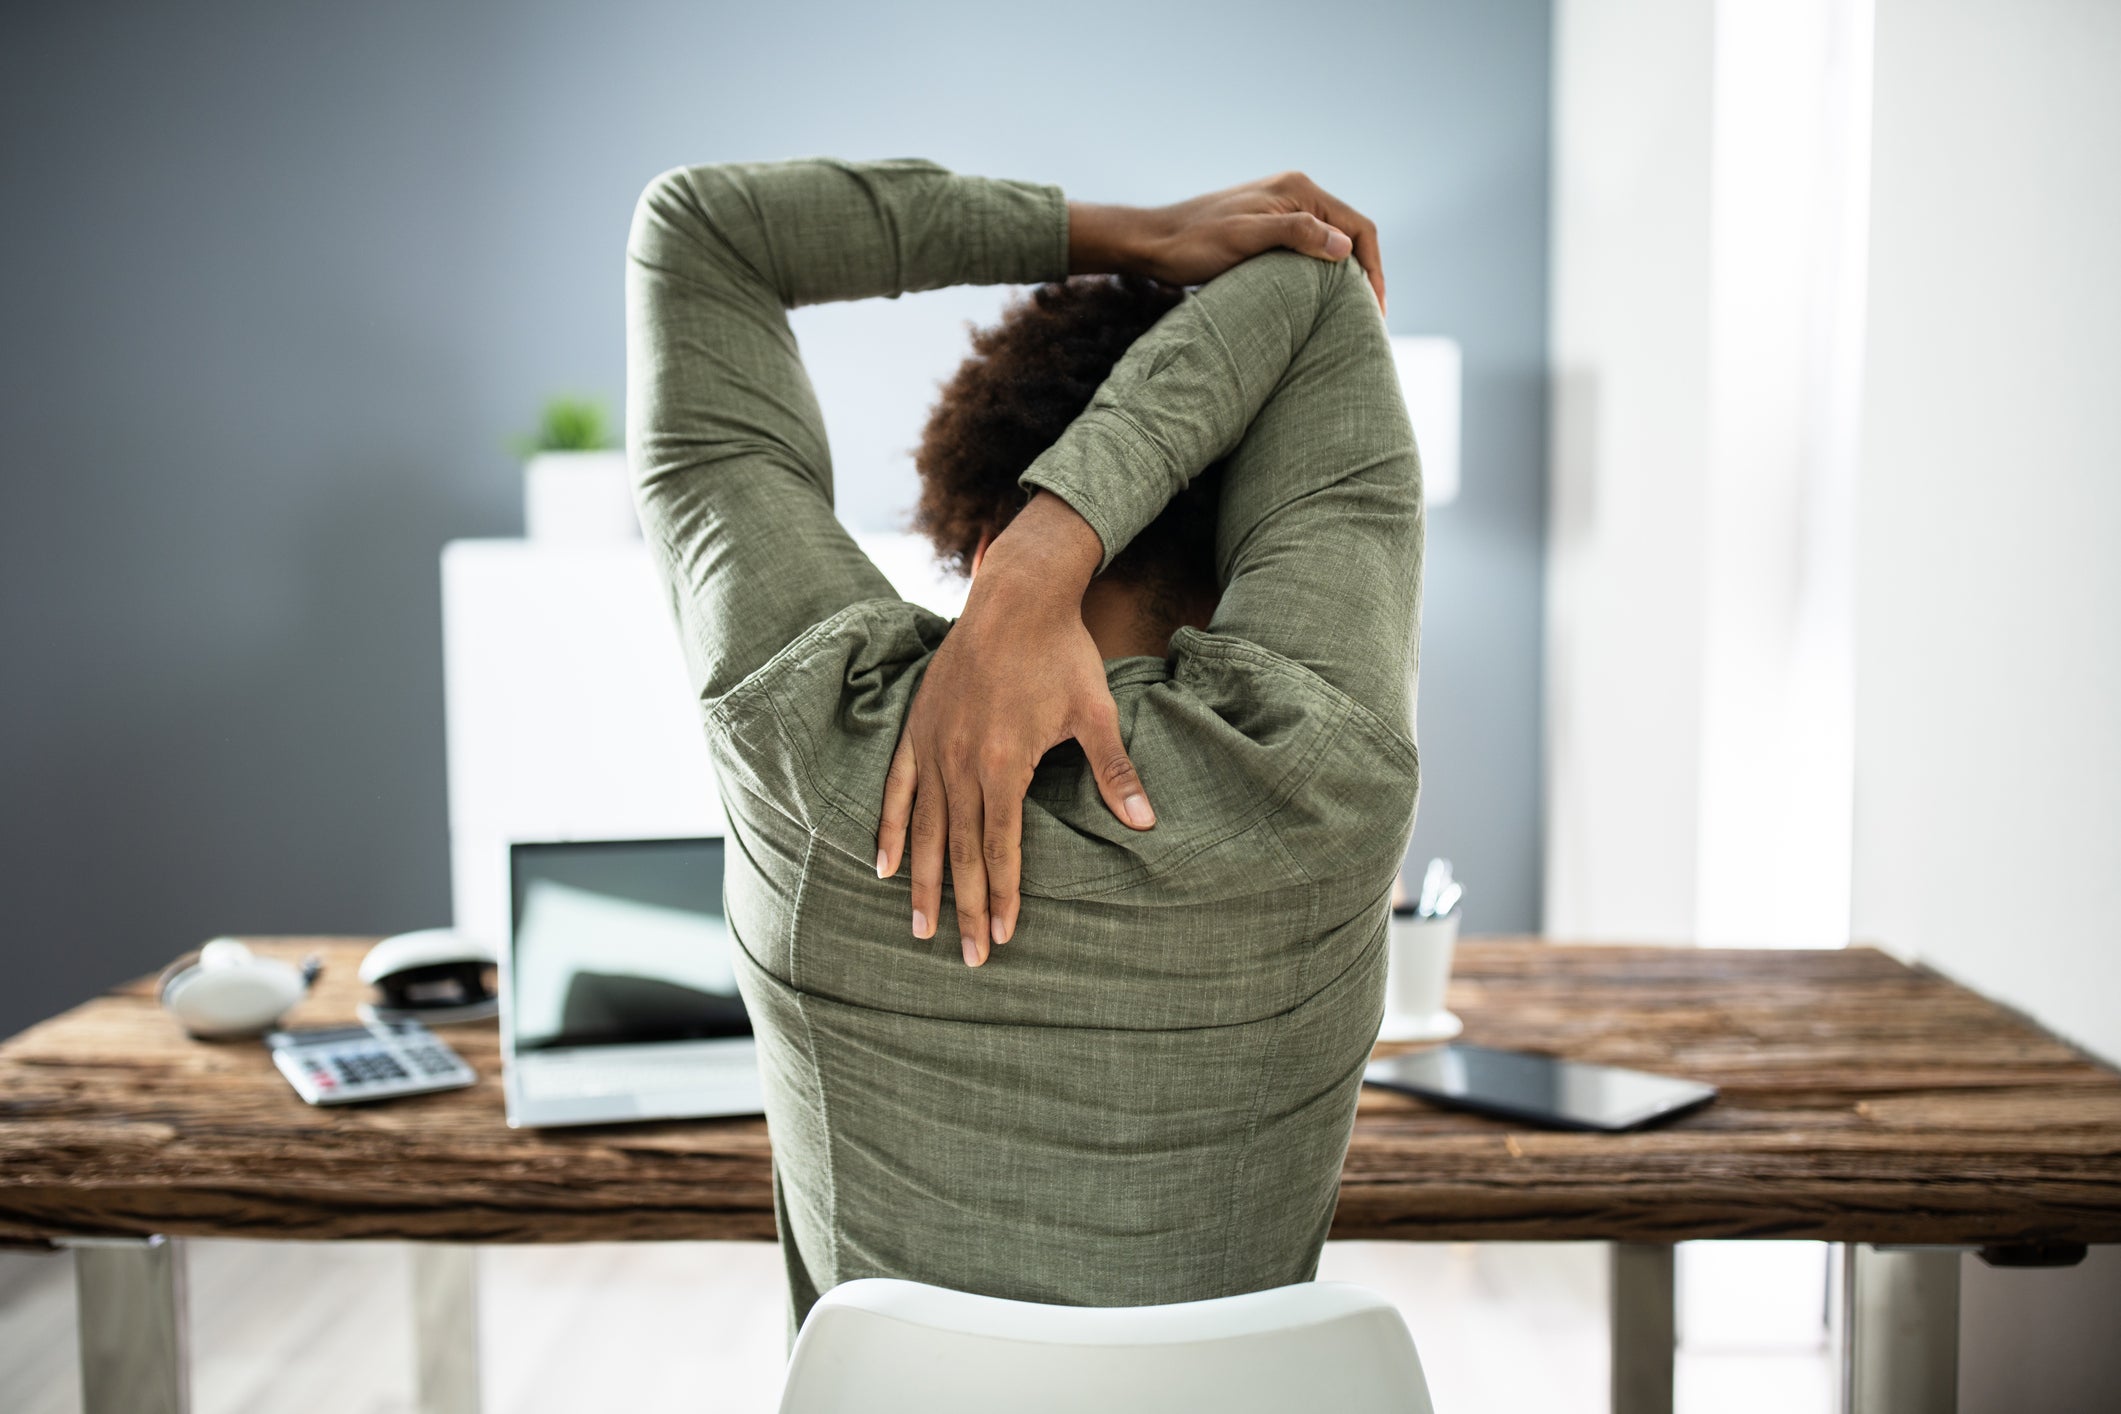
899 1347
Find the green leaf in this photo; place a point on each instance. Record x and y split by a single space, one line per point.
569 425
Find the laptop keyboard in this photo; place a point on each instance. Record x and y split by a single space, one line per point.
637 1075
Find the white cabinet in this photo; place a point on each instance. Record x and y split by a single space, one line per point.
569 714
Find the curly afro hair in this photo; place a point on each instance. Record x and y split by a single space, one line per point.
1028 377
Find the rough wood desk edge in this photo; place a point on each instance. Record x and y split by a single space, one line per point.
1633 1221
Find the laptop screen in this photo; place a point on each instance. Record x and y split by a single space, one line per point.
619 942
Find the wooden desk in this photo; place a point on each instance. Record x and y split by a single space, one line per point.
1863 1102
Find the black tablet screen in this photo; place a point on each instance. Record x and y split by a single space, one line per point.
1539 1089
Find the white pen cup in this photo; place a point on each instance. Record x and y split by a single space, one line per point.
1418 976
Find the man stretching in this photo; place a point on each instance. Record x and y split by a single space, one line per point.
1164 755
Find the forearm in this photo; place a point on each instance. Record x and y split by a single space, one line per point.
821 229
1046 556
1279 369
1183 396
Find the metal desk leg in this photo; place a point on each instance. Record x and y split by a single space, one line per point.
135 1358
1900 1335
1643 1331
445 1307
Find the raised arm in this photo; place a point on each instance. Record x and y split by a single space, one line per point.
1318 545
1282 367
732 475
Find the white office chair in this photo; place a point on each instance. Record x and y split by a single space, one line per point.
898 1347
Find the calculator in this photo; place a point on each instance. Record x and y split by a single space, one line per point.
342 1065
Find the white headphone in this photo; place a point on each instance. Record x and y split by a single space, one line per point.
225 990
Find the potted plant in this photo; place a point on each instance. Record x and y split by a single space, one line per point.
575 481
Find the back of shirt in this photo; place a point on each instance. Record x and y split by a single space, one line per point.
1146 1095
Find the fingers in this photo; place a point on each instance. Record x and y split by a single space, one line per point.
1117 781
1301 232
949 825
929 820
1003 805
968 871
898 809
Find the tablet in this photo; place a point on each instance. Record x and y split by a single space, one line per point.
1543 1090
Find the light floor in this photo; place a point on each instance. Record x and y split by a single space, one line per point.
325 1328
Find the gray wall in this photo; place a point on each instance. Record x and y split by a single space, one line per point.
277 282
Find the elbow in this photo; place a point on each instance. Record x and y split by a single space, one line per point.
665 188
665 206
694 221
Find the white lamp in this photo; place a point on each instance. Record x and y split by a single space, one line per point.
1430 376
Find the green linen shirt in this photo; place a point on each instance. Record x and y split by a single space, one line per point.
1146 1097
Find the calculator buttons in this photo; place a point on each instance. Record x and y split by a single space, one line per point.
343 1064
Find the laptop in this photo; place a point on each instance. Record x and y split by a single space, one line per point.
618 986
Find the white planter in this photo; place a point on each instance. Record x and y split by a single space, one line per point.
573 497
